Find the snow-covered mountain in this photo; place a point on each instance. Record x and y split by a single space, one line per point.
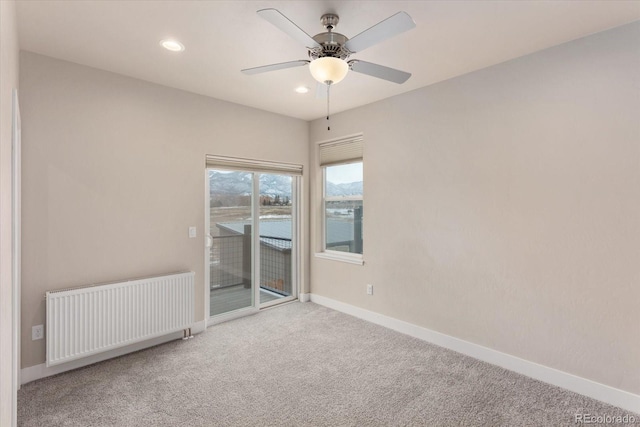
239 183
232 183
344 189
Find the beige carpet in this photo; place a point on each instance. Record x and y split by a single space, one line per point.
299 365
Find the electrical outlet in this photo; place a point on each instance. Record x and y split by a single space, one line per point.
37 332
369 289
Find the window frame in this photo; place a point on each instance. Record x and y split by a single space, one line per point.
325 253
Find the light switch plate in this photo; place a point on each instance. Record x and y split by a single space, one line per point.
192 232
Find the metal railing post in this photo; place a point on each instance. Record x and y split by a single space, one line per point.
357 229
246 256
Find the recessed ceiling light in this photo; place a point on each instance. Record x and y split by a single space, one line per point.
172 45
302 89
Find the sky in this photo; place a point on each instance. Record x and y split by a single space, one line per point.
341 174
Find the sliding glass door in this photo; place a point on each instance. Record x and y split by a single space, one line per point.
231 243
276 237
252 244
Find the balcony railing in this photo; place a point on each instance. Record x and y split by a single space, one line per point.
230 262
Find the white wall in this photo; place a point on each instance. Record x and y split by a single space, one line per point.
502 207
113 176
8 82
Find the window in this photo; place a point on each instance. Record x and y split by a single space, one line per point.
342 199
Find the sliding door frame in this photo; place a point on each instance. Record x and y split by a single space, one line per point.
296 237
246 311
295 247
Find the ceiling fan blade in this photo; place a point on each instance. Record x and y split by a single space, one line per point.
288 26
379 71
392 26
274 67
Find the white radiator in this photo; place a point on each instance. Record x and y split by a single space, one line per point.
89 320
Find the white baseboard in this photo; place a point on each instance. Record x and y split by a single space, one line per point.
604 393
37 372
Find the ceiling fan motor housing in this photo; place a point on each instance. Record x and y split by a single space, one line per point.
332 44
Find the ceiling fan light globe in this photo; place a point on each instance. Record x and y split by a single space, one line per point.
329 70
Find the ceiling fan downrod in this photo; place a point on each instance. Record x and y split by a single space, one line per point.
330 44
329 21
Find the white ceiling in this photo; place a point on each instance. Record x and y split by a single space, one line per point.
223 37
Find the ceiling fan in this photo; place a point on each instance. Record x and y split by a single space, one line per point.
329 52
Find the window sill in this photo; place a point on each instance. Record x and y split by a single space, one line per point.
344 257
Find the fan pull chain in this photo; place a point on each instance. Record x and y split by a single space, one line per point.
328 97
